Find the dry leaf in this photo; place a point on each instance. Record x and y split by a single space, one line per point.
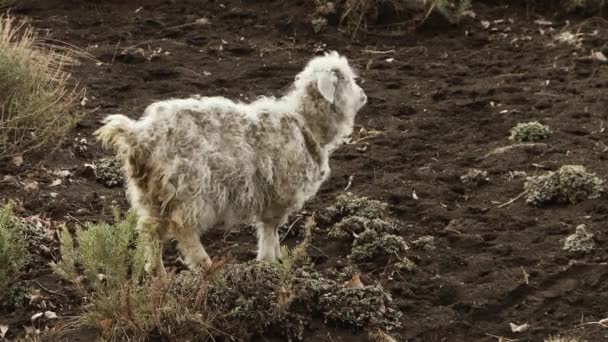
56 182
3 330
105 324
30 185
35 296
519 328
17 160
36 316
354 282
599 55
50 315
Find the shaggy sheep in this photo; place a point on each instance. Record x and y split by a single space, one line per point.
196 163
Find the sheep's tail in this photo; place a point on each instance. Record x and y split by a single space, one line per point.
118 133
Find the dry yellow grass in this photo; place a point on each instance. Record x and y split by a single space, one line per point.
37 102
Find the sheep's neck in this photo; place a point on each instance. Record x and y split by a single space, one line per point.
323 120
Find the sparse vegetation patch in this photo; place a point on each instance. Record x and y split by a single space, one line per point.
569 185
231 300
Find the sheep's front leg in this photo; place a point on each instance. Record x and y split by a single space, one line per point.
193 252
153 250
269 248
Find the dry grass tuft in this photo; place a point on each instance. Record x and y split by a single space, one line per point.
37 104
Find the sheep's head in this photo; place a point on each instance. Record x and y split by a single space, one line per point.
334 79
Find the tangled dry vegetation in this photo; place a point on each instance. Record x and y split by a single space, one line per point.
359 15
233 300
570 184
36 106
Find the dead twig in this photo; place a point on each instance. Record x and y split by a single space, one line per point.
290 227
350 182
501 150
48 290
512 200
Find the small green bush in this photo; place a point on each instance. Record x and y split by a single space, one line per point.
571 184
530 131
7 3
104 254
36 104
366 306
14 255
370 244
108 172
580 242
354 225
352 205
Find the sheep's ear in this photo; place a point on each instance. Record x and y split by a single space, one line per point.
326 83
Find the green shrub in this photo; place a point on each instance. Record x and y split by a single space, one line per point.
104 254
36 103
14 255
571 184
530 131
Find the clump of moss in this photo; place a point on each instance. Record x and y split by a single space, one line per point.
370 245
475 177
352 205
14 255
354 225
108 172
367 306
530 131
571 184
580 242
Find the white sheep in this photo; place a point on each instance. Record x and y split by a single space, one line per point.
192 164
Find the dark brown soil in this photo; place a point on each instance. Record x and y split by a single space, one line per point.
442 96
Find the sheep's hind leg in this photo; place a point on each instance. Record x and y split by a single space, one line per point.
269 247
191 249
